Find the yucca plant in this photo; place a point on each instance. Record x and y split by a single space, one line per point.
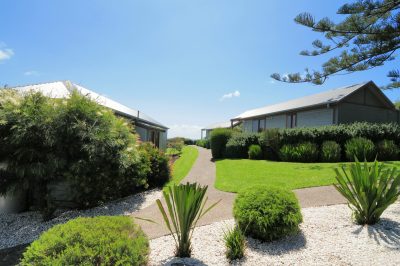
235 242
370 190
185 206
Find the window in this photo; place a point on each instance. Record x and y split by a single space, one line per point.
291 120
261 125
255 126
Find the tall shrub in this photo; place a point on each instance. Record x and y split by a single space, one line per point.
219 138
238 145
360 148
159 172
272 143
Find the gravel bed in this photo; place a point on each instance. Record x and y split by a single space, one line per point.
328 237
22 228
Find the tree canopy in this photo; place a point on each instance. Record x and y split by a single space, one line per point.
368 37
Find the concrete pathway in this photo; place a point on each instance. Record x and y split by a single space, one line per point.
204 173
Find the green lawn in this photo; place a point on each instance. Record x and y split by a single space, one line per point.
233 175
183 165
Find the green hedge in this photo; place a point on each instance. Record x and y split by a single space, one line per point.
159 172
103 240
267 213
219 138
238 145
205 143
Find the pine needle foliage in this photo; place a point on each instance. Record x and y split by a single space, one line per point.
367 37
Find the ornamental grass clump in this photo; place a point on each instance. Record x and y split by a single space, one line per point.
267 213
369 189
361 148
185 206
235 243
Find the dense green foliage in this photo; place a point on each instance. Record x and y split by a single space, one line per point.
301 152
159 172
205 143
360 148
103 240
387 150
238 145
340 133
75 139
330 151
366 38
172 152
255 152
235 243
185 206
182 166
267 213
272 144
176 143
370 190
235 175
218 139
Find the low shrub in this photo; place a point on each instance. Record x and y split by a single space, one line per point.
176 143
159 172
172 152
189 142
387 150
267 213
302 152
255 152
370 190
238 145
219 138
361 148
103 240
330 151
205 143
235 243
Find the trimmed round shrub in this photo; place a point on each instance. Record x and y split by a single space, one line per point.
360 148
301 152
387 150
159 172
330 151
219 138
267 213
255 152
103 240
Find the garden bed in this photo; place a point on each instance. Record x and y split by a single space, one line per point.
328 237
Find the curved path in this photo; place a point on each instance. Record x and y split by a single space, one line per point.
204 173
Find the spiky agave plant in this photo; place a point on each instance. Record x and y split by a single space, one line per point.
185 206
370 190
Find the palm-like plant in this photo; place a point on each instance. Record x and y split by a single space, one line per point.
185 206
370 190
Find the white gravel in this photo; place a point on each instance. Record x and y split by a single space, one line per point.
21 228
328 237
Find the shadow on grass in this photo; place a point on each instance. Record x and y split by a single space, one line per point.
385 232
279 247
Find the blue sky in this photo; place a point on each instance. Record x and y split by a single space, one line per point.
174 60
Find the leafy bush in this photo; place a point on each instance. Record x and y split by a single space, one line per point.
235 243
76 140
370 190
172 152
387 150
361 148
189 142
302 152
219 138
255 152
112 240
330 151
185 207
159 172
205 143
238 145
176 143
267 213
272 143
341 133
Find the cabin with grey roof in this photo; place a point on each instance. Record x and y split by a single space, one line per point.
363 102
148 129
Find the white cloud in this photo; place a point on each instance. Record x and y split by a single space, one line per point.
31 73
230 95
6 54
187 131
